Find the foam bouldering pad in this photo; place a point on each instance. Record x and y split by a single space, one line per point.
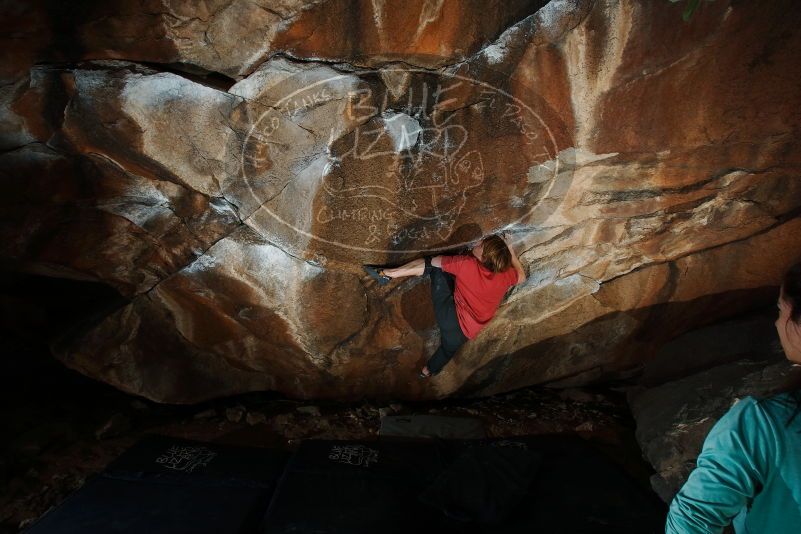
172 485
526 484
355 487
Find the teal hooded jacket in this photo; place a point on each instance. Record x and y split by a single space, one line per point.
748 473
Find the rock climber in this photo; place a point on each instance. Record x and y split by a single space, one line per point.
466 290
749 470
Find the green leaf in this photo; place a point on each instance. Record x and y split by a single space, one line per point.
688 11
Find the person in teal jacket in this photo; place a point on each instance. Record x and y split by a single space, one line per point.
749 471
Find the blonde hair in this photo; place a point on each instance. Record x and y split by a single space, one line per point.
495 255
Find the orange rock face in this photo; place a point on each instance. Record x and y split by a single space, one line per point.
228 168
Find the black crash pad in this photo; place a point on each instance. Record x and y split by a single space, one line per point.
168 485
562 484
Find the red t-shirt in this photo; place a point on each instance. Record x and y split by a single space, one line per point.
478 291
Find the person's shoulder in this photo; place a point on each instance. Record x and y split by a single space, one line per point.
514 275
780 406
751 415
785 399
457 261
458 257
509 276
745 407
737 417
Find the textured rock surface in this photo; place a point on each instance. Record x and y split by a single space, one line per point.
674 418
228 167
232 37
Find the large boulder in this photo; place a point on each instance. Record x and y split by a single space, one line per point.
88 218
647 169
674 419
731 360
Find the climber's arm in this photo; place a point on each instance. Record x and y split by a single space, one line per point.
521 273
436 261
